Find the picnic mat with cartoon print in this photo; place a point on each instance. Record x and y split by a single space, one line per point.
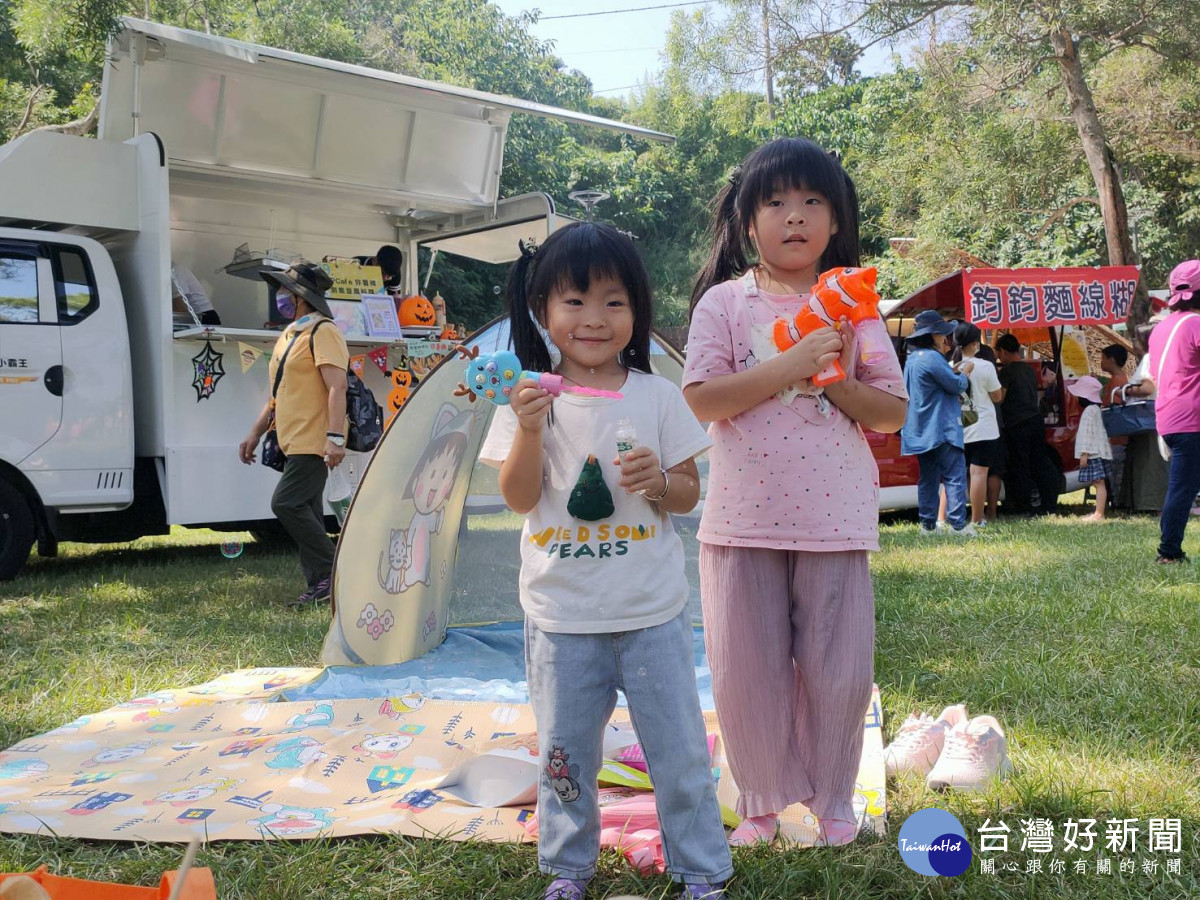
227 761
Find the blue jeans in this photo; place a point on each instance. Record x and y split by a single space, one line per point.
944 464
1183 485
573 682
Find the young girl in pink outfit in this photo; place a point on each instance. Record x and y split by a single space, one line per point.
792 503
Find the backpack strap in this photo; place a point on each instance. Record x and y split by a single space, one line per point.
312 334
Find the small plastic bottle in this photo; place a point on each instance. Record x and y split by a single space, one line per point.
874 342
338 492
626 438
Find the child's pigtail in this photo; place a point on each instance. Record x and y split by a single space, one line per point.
843 249
524 336
728 256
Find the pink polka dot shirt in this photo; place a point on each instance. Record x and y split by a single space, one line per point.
788 476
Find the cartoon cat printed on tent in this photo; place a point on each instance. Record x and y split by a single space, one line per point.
398 558
406 559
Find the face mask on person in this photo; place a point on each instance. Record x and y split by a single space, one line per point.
285 304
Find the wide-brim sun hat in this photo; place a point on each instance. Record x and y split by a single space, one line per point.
1184 282
928 321
1086 387
306 281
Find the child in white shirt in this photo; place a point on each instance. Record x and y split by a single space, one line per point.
1091 443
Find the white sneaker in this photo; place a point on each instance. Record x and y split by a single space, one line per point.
919 741
975 754
966 531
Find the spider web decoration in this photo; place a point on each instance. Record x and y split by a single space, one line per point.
208 371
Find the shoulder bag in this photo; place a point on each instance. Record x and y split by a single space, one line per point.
273 456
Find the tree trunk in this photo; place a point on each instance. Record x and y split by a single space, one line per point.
770 75
1104 173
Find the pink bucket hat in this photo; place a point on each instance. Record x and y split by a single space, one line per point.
1184 282
1086 387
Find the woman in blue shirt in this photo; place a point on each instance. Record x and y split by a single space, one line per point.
933 430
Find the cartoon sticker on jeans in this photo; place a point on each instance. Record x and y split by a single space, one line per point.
406 560
563 774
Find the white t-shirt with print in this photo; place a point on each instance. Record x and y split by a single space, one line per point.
623 572
983 380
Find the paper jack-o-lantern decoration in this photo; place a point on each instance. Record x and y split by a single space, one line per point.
402 381
417 311
449 333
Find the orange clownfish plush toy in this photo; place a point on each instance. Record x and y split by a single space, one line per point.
839 293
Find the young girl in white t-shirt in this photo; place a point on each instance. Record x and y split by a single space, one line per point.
602 580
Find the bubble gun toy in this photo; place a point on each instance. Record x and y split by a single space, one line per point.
493 376
840 293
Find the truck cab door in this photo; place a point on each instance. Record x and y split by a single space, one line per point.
31 370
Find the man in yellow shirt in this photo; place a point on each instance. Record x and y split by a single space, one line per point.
310 417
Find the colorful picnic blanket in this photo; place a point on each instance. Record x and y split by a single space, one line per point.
228 760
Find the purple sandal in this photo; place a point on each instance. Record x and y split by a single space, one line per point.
565 889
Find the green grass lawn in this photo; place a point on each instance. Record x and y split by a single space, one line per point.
1067 632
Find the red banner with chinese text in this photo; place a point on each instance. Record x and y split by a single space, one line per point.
1041 298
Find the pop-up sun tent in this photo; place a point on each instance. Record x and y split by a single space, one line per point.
427 541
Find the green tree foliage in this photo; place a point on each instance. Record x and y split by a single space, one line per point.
1004 45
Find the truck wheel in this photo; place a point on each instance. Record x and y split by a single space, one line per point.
17 531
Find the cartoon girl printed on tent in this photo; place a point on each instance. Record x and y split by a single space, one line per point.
406 559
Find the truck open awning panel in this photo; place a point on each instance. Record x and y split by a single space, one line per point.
222 105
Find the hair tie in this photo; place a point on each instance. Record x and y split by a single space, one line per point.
529 248
735 176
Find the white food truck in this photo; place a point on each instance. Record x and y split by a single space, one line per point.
117 421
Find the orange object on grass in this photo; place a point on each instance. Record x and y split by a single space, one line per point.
198 885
